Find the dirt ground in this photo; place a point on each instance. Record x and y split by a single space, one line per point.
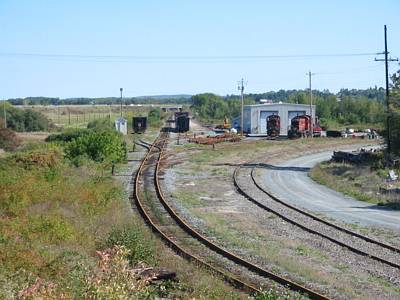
28 137
198 182
195 126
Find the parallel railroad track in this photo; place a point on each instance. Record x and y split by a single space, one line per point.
355 242
146 163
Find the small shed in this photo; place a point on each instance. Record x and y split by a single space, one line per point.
121 125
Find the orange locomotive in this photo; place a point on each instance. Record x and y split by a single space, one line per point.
300 126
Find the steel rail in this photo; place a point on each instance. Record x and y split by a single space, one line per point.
316 218
236 282
142 144
238 260
308 229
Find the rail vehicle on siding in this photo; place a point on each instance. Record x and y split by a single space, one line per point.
139 124
273 125
182 121
300 126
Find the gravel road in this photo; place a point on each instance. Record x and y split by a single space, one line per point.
290 181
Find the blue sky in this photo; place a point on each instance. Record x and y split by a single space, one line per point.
181 29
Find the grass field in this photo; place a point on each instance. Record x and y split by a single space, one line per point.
79 115
69 232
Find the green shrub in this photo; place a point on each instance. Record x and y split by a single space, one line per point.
155 117
132 238
114 279
100 146
53 229
26 120
99 124
67 136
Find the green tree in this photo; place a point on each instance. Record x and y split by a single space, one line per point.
211 107
394 116
25 119
155 117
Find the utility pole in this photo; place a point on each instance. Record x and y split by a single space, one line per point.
121 89
386 60
311 110
109 112
241 85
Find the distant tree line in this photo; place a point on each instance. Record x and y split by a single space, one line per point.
210 107
345 108
107 100
283 95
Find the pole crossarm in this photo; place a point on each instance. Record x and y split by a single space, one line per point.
389 59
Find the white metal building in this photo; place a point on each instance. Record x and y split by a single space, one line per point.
121 125
255 116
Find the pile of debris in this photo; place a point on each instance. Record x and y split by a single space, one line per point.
353 157
391 186
211 140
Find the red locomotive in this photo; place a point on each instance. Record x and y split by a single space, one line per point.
301 127
273 125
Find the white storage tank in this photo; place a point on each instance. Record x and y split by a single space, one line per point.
121 125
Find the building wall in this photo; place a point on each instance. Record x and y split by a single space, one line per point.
255 115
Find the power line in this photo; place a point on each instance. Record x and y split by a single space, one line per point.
352 70
126 58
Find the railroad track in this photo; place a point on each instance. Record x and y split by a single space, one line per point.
355 242
156 149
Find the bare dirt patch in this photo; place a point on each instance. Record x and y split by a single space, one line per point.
28 137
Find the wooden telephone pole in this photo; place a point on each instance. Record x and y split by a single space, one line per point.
311 110
241 85
386 60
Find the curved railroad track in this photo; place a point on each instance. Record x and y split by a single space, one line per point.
159 144
146 163
354 241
